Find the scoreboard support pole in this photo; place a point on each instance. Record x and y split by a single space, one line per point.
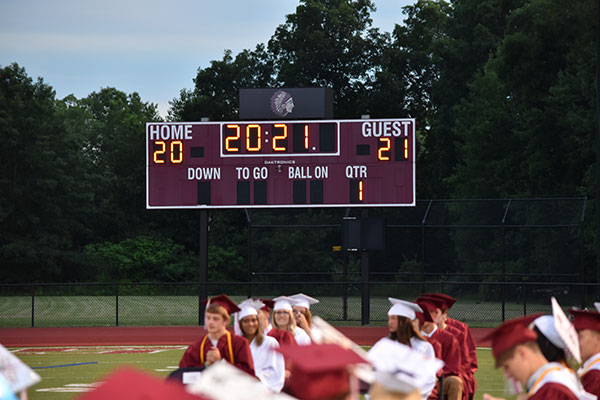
364 279
203 265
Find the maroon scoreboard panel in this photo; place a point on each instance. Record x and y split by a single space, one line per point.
262 164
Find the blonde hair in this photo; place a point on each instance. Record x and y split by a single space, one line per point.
291 325
219 309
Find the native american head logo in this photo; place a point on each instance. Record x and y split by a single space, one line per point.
282 103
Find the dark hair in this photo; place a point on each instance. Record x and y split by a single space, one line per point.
549 350
405 331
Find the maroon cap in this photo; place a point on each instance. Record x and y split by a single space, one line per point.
585 320
225 301
511 333
319 370
269 304
431 303
425 316
448 300
129 383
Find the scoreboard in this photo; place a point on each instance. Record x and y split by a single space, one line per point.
263 164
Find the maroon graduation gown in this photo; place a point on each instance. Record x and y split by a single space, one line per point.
235 351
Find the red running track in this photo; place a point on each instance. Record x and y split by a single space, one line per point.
124 336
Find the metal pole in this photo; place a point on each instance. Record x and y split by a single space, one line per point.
33 306
203 265
249 252
364 276
597 148
117 304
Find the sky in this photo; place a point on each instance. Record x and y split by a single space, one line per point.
153 47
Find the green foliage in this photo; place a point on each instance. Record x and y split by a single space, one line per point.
141 259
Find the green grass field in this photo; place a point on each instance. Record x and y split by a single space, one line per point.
65 380
68 311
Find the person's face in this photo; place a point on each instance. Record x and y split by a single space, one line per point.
215 323
249 325
297 310
437 316
589 343
392 323
282 318
515 367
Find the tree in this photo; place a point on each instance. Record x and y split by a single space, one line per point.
328 43
42 181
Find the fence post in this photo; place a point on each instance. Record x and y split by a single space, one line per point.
116 304
524 292
33 306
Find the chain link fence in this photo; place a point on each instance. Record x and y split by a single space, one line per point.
480 304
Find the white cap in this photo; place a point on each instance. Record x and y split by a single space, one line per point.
18 375
247 307
404 308
597 306
223 381
545 324
303 300
399 368
283 303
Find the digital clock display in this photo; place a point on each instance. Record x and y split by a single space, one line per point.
317 163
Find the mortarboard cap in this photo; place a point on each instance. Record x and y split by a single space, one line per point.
398 368
448 300
303 300
223 381
17 374
225 301
247 307
511 333
129 383
585 320
545 324
319 370
269 304
424 316
403 308
283 303
431 303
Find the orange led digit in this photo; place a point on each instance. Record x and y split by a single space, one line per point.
248 142
163 149
228 139
283 136
360 190
406 149
385 145
306 137
176 156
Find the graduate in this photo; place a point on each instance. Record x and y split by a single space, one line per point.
302 313
587 325
218 343
465 333
269 365
515 348
402 330
283 318
400 371
283 337
447 350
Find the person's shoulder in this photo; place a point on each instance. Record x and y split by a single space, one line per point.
554 391
270 341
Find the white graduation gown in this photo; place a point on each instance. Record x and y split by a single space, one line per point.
269 365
